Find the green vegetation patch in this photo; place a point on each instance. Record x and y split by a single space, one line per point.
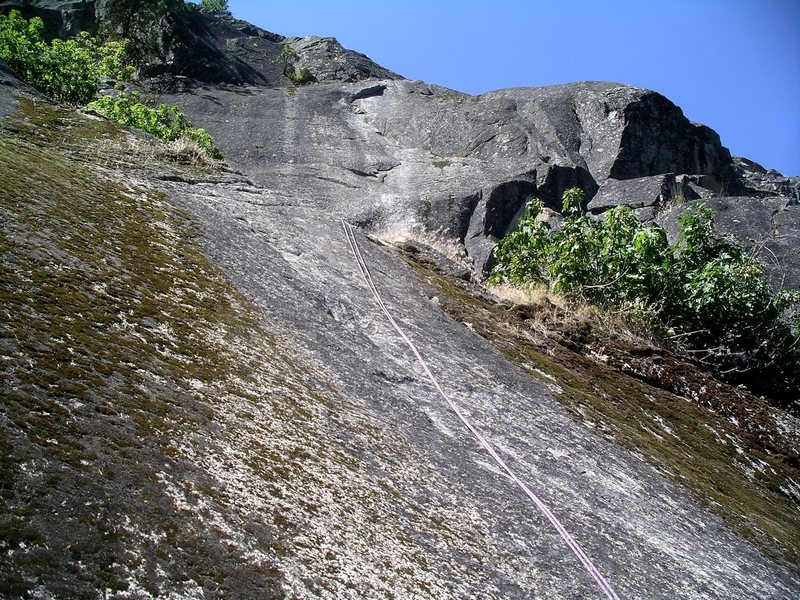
164 121
298 75
704 295
64 70
220 6
70 71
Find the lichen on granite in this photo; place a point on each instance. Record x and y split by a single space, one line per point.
162 436
679 419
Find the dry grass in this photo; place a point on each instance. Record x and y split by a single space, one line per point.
548 309
528 296
185 151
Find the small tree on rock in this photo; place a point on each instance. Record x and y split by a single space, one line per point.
289 57
220 6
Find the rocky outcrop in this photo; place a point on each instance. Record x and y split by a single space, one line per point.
9 85
647 196
200 398
62 18
405 154
766 182
393 154
213 48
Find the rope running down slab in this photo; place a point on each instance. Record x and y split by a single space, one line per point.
568 539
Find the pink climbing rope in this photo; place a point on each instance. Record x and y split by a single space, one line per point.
570 541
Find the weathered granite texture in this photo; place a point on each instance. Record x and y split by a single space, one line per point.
405 154
200 398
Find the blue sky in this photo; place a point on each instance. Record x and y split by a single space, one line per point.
733 65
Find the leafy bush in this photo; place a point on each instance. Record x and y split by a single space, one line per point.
704 290
69 71
21 44
288 55
65 70
220 6
112 60
300 75
164 121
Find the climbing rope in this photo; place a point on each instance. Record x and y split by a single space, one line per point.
570 541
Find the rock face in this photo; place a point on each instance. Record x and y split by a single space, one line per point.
9 84
218 49
201 398
405 154
392 154
62 18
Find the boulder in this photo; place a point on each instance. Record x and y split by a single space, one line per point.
639 192
327 60
648 195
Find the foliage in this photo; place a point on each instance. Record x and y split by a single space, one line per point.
69 71
298 75
215 5
706 291
65 70
113 60
288 54
164 121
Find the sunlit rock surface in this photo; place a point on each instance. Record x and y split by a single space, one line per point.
201 398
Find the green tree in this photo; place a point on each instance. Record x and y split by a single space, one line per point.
707 290
220 6
65 70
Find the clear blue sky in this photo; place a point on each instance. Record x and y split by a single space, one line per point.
733 65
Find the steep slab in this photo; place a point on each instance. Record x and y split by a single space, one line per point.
201 398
